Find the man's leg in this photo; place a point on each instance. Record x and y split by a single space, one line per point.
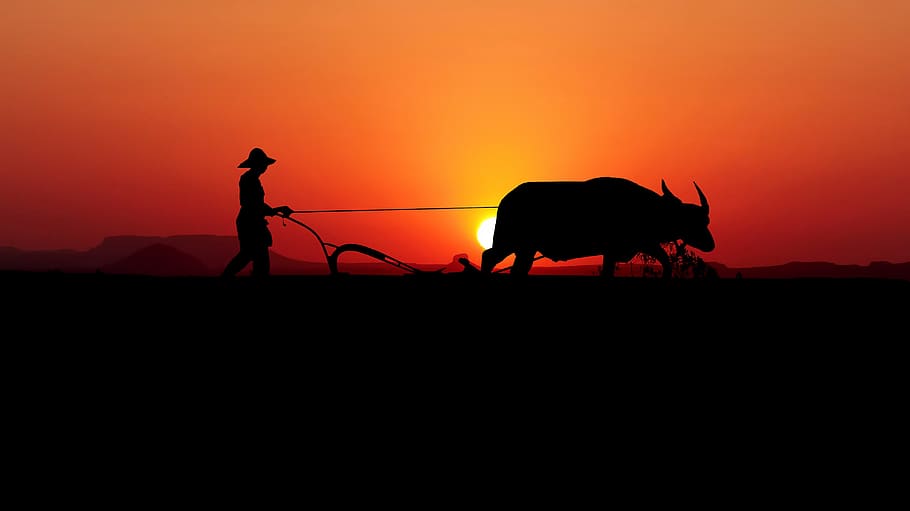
236 264
261 263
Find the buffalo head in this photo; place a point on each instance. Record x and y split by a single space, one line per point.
690 220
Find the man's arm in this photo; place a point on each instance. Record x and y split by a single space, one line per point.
280 210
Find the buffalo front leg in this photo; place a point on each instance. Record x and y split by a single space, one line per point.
657 252
609 266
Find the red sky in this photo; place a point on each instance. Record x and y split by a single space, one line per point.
130 117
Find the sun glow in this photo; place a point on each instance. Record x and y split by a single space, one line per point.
485 232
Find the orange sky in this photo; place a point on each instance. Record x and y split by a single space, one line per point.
130 117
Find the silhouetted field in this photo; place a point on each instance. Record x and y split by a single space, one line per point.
436 307
464 330
557 325
746 370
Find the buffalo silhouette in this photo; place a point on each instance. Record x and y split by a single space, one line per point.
605 216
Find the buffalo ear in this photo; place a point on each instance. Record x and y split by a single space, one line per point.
666 191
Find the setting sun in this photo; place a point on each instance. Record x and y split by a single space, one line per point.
485 232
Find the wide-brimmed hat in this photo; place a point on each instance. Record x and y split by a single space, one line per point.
257 159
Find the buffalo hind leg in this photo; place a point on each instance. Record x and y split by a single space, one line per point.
523 261
609 267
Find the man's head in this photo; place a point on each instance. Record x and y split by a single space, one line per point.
256 160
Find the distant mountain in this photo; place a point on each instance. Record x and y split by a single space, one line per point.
211 250
206 255
40 260
818 269
281 265
159 260
115 251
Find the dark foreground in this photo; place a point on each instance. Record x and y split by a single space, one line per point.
558 324
463 326
547 325
747 387
559 308
448 316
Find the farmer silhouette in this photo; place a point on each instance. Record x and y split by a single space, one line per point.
252 227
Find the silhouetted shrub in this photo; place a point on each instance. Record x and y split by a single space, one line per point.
686 263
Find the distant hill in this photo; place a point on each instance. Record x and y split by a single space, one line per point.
40 260
818 269
206 255
158 260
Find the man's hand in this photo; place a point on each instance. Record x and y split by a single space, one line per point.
283 210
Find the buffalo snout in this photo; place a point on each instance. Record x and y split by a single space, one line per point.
704 242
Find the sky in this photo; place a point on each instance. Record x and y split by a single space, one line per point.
131 117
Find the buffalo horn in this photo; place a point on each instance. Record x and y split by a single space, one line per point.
701 197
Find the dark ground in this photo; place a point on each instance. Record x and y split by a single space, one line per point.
460 319
763 387
571 308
